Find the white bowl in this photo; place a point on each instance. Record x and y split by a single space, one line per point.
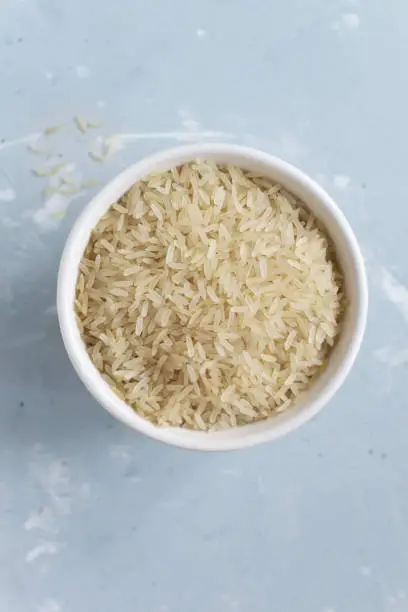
349 257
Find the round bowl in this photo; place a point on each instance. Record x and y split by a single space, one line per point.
348 254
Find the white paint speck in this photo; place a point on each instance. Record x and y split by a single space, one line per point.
70 174
341 181
201 33
347 21
396 602
45 548
82 72
51 310
351 20
187 120
101 103
113 144
191 125
49 605
365 570
55 479
42 520
7 195
395 292
329 610
57 482
49 76
391 356
49 216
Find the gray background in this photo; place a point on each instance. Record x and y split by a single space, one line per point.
96 518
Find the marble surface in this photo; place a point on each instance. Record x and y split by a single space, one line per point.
96 518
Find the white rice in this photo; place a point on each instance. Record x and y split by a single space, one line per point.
208 297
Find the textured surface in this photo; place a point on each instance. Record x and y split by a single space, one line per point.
93 517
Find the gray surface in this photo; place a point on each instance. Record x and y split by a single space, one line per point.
96 518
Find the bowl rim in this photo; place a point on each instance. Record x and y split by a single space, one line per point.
90 376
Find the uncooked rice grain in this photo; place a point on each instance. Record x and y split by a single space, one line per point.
208 297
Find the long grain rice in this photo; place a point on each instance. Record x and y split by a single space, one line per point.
208 297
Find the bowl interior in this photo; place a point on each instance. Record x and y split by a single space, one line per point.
349 259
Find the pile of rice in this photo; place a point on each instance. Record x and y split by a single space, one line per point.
208 297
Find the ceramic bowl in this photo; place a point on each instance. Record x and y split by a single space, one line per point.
348 254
